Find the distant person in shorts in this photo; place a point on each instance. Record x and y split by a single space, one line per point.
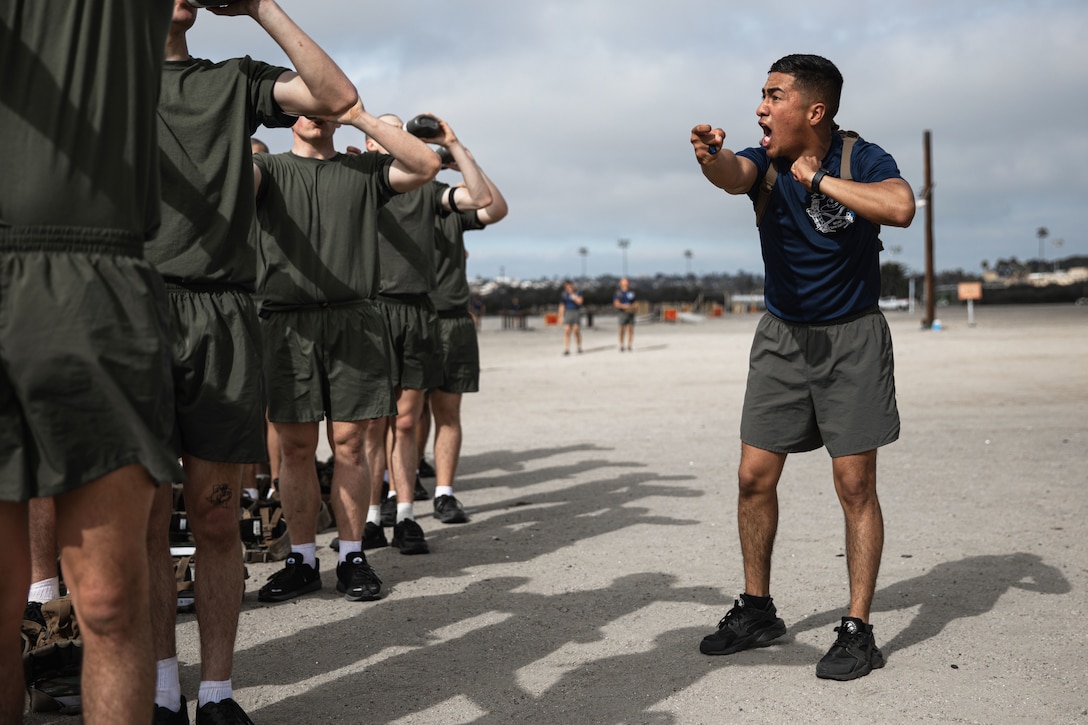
86 398
459 347
624 302
821 372
327 353
570 312
208 113
406 233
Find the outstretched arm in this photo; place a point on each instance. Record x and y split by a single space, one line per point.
317 86
414 162
720 166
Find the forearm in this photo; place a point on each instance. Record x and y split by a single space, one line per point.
889 202
414 156
725 170
497 209
475 194
325 89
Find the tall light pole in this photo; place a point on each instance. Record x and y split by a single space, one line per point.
687 256
624 244
584 252
1042 233
927 197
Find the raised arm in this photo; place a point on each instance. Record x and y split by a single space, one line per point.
475 193
721 167
414 162
497 210
317 86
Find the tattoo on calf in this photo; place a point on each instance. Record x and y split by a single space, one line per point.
221 495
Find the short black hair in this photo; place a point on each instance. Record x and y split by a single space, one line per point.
815 76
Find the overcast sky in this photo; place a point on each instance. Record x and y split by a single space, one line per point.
581 112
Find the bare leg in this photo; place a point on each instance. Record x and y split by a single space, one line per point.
757 514
274 459
350 478
447 435
163 587
212 498
376 459
15 543
423 428
43 540
566 338
855 483
405 455
578 336
102 531
300 492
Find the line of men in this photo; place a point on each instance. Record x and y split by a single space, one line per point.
128 376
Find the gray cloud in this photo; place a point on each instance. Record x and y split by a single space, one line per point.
581 112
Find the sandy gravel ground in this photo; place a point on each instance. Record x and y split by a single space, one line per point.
603 546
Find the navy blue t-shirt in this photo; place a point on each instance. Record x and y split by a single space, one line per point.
821 261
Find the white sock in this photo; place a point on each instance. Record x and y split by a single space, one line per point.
44 590
167 685
349 547
214 691
308 552
443 491
374 514
404 511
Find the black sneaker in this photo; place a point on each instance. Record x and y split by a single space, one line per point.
447 509
854 653
373 537
389 510
421 494
335 543
356 580
743 627
224 712
166 716
426 470
294 579
33 613
408 537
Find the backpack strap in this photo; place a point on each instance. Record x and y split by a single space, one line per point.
770 176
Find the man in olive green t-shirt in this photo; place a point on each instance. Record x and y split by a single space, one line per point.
325 343
208 112
406 230
86 401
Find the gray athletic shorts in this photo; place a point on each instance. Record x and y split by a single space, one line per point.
826 385
413 327
460 354
626 318
85 383
572 317
217 374
328 362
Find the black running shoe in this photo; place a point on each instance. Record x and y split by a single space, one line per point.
421 494
408 537
426 470
356 580
294 579
373 537
854 653
389 511
166 716
224 712
33 613
447 509
743 627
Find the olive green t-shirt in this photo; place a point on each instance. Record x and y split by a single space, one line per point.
207 114
451 290
77 130
318 228
406 227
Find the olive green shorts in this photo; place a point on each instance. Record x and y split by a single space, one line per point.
828 385
413 328
85 384
327 362
217 374
460 354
